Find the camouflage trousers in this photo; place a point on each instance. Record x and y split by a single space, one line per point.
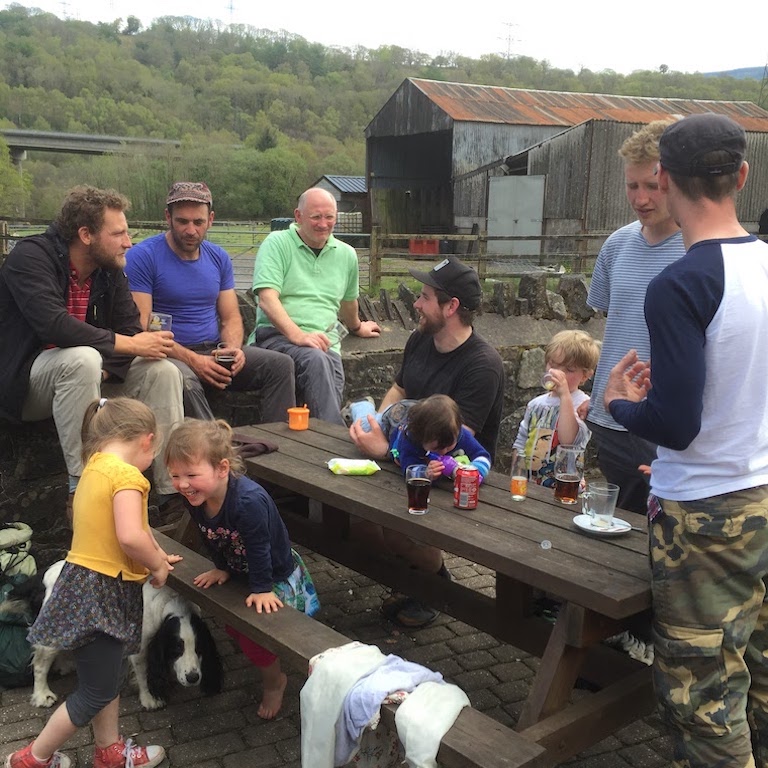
709 560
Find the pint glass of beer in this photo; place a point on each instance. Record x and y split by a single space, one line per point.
569 469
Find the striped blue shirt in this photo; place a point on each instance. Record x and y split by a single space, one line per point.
625 265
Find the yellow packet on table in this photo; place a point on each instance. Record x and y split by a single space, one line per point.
353 466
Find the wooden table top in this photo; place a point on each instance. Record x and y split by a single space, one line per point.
609 575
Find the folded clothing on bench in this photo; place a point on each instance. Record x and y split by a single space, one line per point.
247 446
338 698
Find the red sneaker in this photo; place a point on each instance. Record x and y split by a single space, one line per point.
125 754
25 759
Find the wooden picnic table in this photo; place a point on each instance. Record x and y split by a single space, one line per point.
532 546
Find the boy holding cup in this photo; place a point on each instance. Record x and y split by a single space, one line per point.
550 419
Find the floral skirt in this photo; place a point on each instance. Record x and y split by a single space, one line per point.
85 603
298 590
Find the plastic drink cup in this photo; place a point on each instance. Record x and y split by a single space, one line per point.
226 361
298 418
418 485
336 332
160 321
547 382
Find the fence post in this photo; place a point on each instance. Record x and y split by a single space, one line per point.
374 259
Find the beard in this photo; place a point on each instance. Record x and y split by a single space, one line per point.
105 259
186 244
431 326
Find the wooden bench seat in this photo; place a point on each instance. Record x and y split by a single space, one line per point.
474 740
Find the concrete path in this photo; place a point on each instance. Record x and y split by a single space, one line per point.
224 731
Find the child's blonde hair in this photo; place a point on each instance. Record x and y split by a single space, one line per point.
436 419
211 441
574 348
116 418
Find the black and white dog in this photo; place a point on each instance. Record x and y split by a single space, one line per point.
176 646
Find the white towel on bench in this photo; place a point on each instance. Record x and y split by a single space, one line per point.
424 718
322 698
363 702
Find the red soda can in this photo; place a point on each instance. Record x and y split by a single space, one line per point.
466 487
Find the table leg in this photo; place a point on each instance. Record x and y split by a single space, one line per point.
560 665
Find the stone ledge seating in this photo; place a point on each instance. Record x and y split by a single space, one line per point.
475 740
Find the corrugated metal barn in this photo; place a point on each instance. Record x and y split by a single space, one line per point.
435 151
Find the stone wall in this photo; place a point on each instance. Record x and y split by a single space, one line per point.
33 479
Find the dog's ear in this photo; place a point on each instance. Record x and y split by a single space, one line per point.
158 657
210 661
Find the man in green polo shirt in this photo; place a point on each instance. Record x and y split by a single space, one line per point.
305 279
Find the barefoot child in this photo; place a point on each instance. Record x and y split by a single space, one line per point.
95 608
244 534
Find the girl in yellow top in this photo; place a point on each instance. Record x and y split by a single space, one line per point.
95 608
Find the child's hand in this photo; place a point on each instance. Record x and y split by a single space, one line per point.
560 387
158 576
174 558
583 410
645 469
434 469
209 578
266 602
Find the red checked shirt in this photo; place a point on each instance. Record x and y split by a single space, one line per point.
77 298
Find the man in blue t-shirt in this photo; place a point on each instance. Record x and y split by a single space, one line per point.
179 273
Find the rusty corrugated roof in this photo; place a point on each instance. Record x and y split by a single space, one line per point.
516 106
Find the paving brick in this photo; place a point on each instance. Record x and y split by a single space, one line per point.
475 680
214 747
269 732
263 757
208 725
429 654
517 690
482 699
642 756
511 671
476 642
475 660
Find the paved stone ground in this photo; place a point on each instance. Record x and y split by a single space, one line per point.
224 731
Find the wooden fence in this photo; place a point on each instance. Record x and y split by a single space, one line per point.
386 257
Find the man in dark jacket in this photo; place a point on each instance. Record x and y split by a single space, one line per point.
71 329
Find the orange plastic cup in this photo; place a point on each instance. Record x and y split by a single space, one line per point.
298 418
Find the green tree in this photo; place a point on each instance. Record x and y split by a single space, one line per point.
15 185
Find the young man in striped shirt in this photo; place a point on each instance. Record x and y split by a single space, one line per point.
630 258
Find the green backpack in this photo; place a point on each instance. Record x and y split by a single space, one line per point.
17 565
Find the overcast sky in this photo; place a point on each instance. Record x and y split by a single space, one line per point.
686 35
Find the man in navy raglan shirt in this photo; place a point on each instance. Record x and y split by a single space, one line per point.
705 403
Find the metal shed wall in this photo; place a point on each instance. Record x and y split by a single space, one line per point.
585 190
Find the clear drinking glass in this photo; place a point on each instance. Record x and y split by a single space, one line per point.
418 485
520 474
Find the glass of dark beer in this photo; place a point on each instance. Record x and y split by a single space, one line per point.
418 485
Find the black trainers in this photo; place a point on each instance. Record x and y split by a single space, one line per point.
414 614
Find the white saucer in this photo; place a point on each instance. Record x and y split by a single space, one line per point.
585 523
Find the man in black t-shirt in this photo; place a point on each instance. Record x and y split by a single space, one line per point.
444 356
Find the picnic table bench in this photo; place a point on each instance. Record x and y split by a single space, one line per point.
532 546
475 740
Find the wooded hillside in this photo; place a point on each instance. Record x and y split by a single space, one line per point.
261 114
